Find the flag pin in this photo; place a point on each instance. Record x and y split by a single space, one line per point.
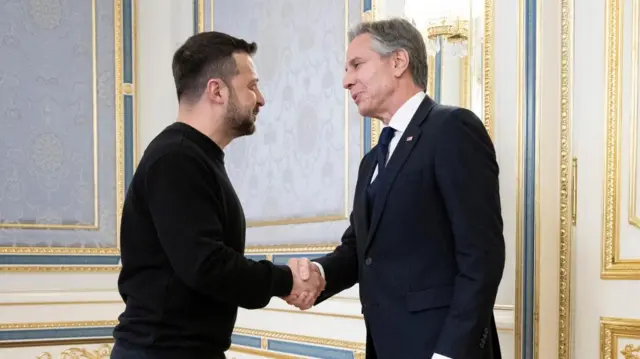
409 138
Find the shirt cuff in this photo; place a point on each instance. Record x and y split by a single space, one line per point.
321 270
438 356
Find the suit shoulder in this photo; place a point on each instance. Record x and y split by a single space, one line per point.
448 118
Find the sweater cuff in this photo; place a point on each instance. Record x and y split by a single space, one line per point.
282 281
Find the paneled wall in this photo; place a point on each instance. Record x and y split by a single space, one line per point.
68 119
295 175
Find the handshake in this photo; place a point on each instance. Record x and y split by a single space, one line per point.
308 283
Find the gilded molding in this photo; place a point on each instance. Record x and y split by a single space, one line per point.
119 104
292 248
262 353
634 220
612 266
263 334
121 89
103 352
487 60
431 75
58 325
59 269
301 338
59 250
95 225
201 15
612 329
566 100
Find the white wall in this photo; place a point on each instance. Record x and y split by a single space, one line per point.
163 26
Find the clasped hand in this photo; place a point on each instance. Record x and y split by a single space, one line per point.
307 283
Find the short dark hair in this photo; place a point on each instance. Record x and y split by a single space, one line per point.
204 56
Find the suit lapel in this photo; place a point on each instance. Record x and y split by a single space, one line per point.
400 155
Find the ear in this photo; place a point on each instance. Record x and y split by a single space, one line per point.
216 91
400 62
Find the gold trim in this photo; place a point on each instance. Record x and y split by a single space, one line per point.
119 147
465 87
612 329
634 220
301 338
318 314
54 342
487 52
102 352
111 323
127 89
292 248
520 83
431 75
136 89
58 325
263 353
58 250
200 15
119 83
612 266
68 302
302 220
567 187
59 269
94 98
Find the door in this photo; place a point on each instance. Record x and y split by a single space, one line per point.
605 250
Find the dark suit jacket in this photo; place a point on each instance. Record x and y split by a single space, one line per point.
431 258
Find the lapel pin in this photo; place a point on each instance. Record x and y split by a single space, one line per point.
409 138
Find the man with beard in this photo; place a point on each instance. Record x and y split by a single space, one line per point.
184 273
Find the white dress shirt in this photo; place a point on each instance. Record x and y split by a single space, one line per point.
399 121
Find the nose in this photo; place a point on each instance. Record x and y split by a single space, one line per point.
260 98
348 80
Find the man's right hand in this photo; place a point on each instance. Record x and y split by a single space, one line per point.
307 283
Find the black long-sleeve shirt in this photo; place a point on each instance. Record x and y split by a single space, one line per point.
184 273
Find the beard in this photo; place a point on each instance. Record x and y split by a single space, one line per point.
241 120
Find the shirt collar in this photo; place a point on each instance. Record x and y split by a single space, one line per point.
400 120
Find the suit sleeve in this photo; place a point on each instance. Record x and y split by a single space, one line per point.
340 266
187 215
467 175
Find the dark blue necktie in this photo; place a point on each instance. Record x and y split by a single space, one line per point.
382 150
383 147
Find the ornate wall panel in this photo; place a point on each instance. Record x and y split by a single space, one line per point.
619 338
621 239
92 340
299 168
67 109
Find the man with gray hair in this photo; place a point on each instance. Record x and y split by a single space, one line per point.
425 238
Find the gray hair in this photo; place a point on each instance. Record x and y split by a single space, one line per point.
393 34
